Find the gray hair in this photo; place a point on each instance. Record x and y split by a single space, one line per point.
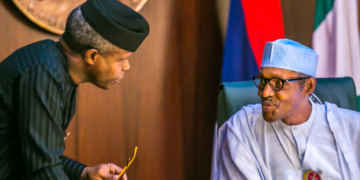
80 36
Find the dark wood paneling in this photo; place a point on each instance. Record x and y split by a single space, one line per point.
166 103
298 19
111 123
194 73
16 30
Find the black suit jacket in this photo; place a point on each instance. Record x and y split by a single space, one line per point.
37 102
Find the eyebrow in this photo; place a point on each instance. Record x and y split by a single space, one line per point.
272 75
277 76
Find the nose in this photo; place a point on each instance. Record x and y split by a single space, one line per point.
266 92
126 65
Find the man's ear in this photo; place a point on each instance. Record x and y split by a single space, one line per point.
310 85
91 55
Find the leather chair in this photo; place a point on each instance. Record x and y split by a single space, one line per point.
234 95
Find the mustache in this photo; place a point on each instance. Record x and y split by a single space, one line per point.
267 101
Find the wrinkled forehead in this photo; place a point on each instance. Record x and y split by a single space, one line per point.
272 72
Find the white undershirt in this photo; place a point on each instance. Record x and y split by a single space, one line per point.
297 135
287 147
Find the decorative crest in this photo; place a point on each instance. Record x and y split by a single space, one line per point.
52 14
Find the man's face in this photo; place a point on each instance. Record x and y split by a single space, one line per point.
110 68
281 104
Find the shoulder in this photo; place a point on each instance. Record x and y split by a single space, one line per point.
238 131
246 117
346 114
36 46
45 52
349 117
42 60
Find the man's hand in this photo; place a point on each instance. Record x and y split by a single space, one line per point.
102 171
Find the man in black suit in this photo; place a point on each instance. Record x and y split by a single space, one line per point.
38 85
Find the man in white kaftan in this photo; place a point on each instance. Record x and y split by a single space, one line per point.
288 134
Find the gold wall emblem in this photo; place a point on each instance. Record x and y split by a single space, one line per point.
52 14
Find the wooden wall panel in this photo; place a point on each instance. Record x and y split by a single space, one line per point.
16 30
298 19
166 103
109 124
192 86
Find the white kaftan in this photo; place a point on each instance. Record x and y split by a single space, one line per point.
248 147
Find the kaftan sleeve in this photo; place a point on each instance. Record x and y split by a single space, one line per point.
236 159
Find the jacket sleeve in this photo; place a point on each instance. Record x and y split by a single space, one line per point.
72 168
39 124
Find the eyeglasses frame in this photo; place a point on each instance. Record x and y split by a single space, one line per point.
267 80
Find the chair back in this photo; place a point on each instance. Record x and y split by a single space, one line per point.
234 95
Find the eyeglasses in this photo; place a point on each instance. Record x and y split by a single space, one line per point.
276 84
128 163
